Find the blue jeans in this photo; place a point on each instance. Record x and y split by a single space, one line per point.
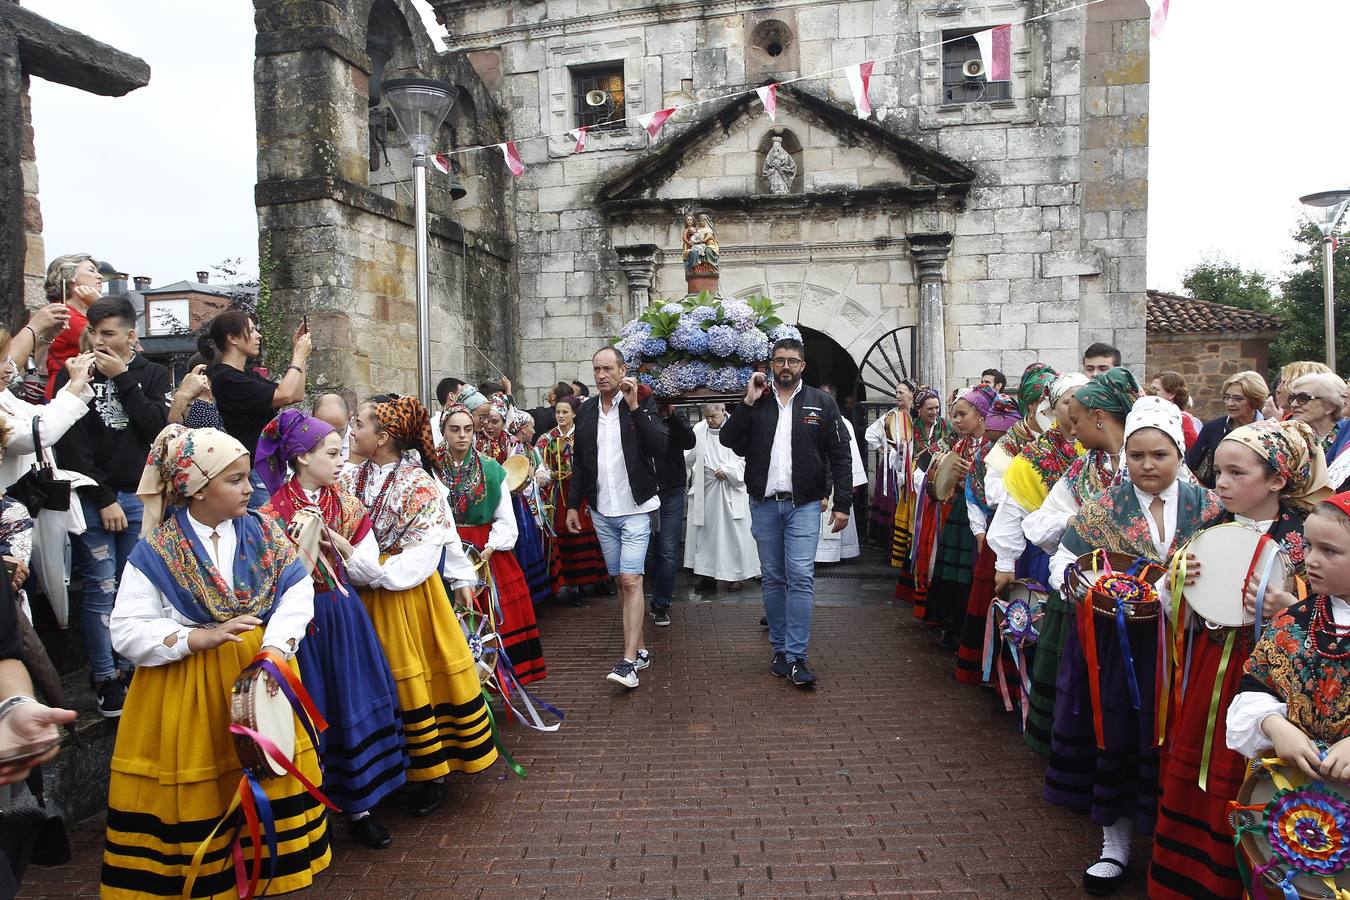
258 499
99 556
623 540
664 552
787 535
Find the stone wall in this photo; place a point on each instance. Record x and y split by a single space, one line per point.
1047 253
1207 361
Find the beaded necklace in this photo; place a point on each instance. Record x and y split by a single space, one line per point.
465 481
1324 627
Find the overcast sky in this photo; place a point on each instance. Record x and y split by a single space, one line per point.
160 182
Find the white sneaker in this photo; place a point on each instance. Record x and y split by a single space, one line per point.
624 673
643 661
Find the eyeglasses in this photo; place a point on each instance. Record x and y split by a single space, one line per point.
1234 398
1303 399
779 362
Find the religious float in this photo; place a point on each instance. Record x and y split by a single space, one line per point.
705 347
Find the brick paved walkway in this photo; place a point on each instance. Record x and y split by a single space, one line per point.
716 780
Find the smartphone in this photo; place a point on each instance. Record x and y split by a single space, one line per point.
25 752
304 324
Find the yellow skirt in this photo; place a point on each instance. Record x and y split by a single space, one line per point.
445 718
175 772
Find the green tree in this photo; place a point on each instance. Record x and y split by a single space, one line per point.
1300 304
1222 281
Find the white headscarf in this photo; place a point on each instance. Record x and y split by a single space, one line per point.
1066 383
1155 412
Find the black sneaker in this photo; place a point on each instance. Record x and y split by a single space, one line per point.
763 621
624 673
661 616
800 674
780 666
109 697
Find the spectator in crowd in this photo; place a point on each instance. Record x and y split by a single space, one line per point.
664 555
1171 386
334 410
53 420
1277 404
995 379
72 279
718 544
1243 395
129 409
29 346
247 401
1319 400
193 403
580 390
618 438
447 393
1099 358
544 418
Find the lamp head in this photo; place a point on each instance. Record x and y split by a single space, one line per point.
1325 208
420 105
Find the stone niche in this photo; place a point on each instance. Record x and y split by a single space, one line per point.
334 199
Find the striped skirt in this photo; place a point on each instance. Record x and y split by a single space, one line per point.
530 552
970 652
1044 669
446 720
577 558
175 772
518 629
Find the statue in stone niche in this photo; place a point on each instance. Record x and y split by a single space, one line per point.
701 251
779 169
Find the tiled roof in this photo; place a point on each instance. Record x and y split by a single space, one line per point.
1175 314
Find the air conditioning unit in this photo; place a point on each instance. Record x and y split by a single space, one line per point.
973 68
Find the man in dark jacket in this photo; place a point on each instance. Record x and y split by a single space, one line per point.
670 473
618 437
796 452
129 410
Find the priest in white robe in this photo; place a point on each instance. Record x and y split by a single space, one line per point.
837 546
718 545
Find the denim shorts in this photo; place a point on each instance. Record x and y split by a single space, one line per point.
623 540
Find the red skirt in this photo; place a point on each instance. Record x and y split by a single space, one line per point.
1193 853
518 629
970 652
931 519
576 558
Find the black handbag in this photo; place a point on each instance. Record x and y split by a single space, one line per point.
32 833
39 488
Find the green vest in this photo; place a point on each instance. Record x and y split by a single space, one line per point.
481 512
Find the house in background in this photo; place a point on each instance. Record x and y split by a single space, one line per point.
1206 342
168 318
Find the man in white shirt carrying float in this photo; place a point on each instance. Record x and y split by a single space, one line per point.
795 449
618 437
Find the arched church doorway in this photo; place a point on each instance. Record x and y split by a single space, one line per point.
828 363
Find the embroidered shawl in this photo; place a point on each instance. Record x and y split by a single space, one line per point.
1115 522
407 510
1287 664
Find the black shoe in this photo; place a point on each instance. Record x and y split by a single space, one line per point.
1103 885
764 621
428 799
573 596
800 675
661 616
371 833
109 698
780 666
706 586
605 589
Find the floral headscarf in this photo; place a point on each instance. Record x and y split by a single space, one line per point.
182 461
290 434
1290 448
999 411
1066 383
1034 386
407 420
470 397
1113 391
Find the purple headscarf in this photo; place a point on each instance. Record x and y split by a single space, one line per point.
999 411
290 434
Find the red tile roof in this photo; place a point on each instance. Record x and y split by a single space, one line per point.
1175 314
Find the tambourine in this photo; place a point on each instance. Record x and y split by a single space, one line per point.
1230 555
945 475
270 715
518 471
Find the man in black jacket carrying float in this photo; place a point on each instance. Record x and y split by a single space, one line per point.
796 451
617 439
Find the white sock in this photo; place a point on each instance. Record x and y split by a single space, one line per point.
358 816
440 780
1115 845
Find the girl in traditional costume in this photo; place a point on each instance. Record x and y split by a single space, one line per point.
892 437
1267 476
577 557
1033 400
482 508
1098 411
341 661
531 546
206 591
1104 755
932 435
446 721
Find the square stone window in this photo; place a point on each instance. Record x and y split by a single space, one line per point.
958 86
588 84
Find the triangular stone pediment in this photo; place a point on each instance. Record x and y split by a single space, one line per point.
721 156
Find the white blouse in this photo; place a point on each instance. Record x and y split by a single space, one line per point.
1005 536
142 617
1250 708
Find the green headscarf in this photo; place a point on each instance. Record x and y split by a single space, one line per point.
1036 381
1113 391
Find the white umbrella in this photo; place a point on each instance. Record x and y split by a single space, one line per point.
51 560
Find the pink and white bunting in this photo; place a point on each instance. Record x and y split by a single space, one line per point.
654 120
996 52
768 95
859 76
579 134
512 157
1158 19
442 163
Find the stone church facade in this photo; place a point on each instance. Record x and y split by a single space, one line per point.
1000 223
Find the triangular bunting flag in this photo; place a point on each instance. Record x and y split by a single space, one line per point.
1158 19
996 52
768 95
653 121
580 135
858 77
512 157
442 163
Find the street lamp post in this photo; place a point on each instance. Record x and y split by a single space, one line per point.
420 105
1325 208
